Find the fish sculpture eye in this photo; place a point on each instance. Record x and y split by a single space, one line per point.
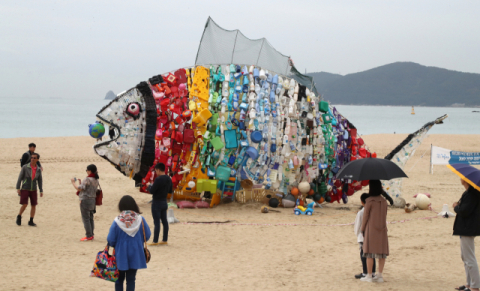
134 109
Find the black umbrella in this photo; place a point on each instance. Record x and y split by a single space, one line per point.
370 169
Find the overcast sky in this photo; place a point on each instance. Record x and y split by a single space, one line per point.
82 49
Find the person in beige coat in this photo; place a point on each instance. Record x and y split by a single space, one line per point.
374 228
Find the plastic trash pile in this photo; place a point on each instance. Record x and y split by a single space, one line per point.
217 126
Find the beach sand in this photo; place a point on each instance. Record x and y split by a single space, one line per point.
258 254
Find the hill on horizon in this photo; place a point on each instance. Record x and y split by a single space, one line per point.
400 83
110 95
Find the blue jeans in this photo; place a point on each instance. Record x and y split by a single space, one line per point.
130 275
159 212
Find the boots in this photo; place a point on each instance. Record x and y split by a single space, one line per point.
30 223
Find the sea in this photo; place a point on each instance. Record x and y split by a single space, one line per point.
51 117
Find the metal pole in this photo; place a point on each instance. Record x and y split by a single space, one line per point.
234 45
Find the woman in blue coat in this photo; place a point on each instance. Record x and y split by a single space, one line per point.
126 236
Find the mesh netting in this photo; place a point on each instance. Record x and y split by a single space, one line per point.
303 79
222 47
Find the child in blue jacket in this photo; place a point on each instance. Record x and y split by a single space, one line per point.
126 236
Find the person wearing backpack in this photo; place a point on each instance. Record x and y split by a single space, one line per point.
127 235
26 157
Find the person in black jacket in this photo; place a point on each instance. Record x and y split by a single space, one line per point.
467 226
162 186
26 157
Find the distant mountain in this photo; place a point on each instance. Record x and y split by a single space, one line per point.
402 83
110 95
322 79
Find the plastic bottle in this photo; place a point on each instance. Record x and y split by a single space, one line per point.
292 146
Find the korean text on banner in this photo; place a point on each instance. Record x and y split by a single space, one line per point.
464 158
440 156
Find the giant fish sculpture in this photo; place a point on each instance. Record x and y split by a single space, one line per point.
238 118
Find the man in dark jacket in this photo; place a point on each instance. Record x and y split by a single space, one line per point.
162 186
30 175
26 156
467 226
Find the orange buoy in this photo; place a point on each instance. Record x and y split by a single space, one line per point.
294 191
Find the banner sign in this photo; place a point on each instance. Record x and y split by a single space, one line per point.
441 156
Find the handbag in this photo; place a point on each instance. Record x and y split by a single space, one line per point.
105 266
99 196
179 136
188 134
148 256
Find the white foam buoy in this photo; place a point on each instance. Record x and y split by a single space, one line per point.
445 212
422 201
428 195
304 187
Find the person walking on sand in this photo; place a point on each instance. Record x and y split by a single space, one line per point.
30 175
27 156
87 190
127 234
374 229
357 229
162 186
467 226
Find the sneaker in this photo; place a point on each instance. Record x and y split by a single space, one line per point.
378 279
359 276
31 223
86 238
19 220
366 279
163 243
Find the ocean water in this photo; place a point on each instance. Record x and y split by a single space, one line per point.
398 119
49 117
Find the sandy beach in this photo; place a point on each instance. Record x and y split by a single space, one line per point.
275 251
